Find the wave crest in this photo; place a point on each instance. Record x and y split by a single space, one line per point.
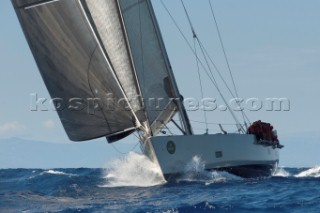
313 172
53 172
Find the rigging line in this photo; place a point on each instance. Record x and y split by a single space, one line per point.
218 71
138 137
216 68
224 124
219 91
201 46
223 48
189 19
192 50
201 86
142 143
167 128
211 123
216 84
123 153
196 36
175 123
211 77
205 52
179 29
226 57
220 75
201 129
181 33
189 45
206 60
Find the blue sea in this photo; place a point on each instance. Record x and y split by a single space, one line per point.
134 184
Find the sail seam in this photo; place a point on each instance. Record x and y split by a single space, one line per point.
137 124
88 73
36 4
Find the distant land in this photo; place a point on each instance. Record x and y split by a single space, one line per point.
21 153
299 151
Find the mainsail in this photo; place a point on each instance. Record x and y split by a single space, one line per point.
105 60
150 60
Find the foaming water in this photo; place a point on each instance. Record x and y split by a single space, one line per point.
133 170
54 172
313 172
309 173
137 170
195 172
281 172
199 190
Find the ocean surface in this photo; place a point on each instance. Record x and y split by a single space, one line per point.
134 184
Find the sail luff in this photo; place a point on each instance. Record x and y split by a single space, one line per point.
137 123
126 95
179 101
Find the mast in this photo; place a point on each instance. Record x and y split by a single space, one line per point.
179 101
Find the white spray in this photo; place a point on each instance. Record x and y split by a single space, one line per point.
133 170
313 172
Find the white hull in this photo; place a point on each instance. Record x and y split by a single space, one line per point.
235 153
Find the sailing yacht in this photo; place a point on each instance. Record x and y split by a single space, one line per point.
107 60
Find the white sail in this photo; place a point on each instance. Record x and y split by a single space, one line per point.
73 64
150 60
106 20
109 54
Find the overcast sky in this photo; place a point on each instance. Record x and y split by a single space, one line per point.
273 48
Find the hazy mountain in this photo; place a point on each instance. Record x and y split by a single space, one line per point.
21 153
301 150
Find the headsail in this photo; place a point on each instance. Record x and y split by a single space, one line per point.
74 66
105 60
106 20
